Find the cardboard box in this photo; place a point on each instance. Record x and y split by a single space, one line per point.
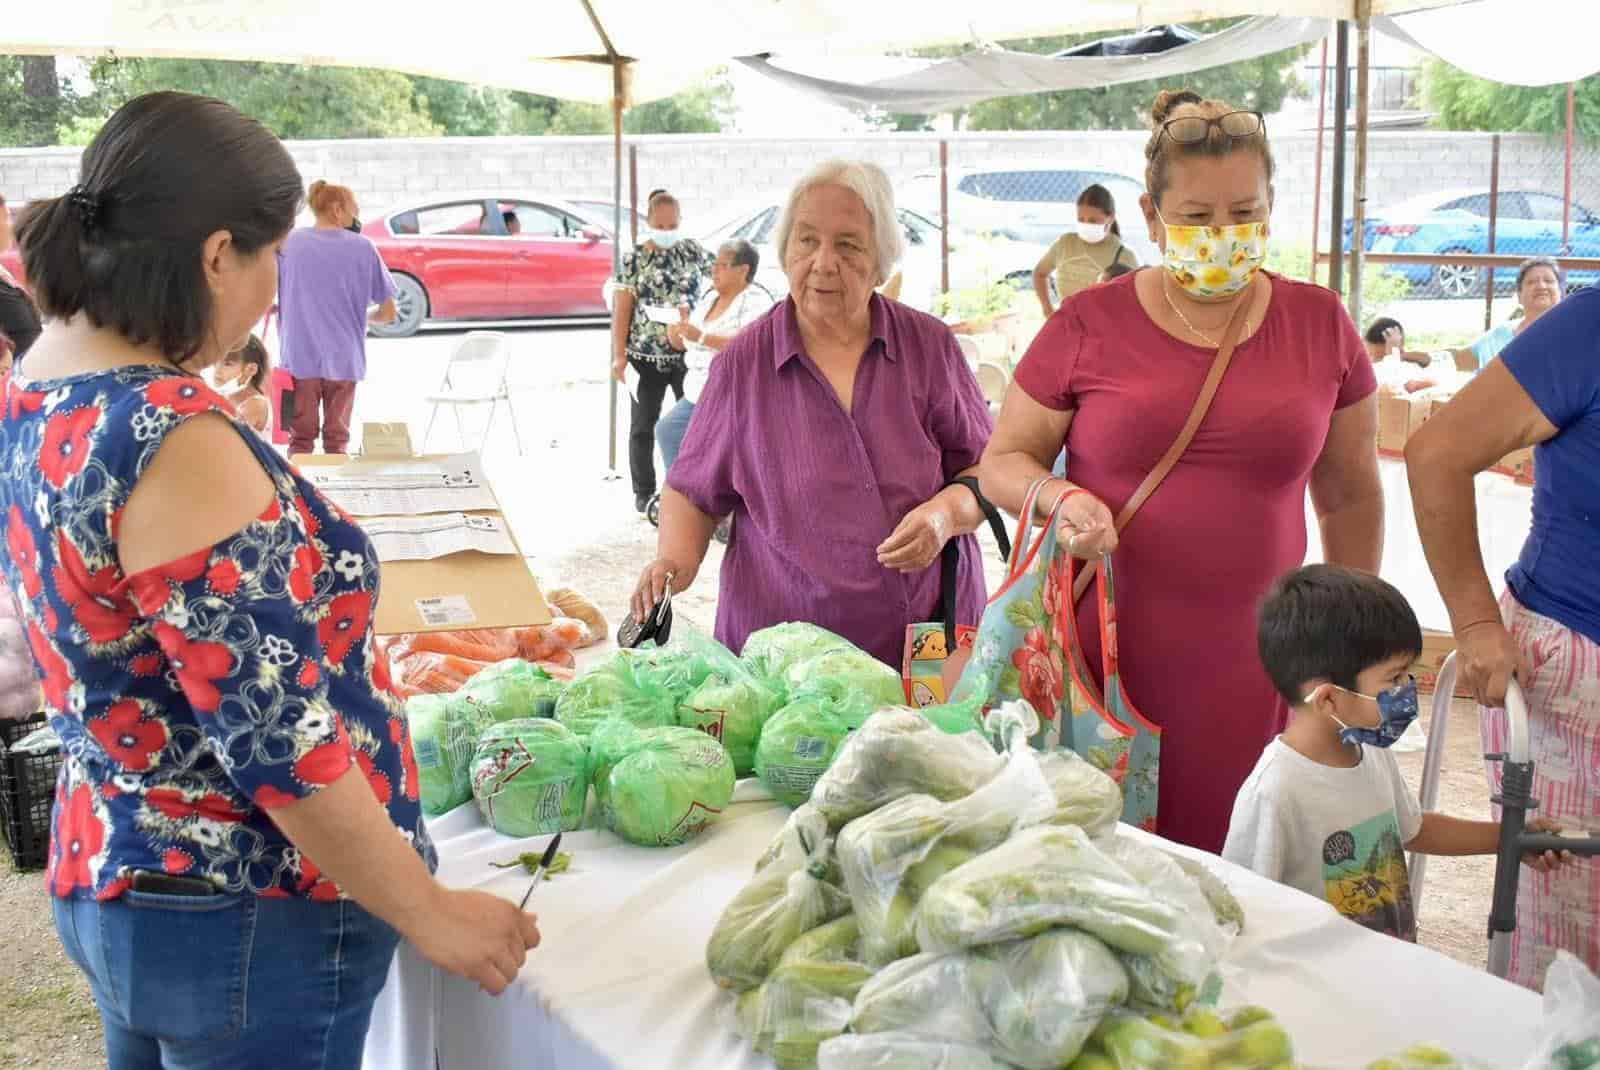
1518 464
1399 416
464 590
1436 646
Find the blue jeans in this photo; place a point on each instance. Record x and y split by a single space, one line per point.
670 430
203 983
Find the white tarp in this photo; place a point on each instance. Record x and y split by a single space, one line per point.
1521 42
552 47
996 72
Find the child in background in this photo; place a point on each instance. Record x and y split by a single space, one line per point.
1326 809
241 378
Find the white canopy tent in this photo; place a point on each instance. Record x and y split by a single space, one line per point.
622 51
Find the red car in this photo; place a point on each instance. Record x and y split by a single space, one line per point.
490 257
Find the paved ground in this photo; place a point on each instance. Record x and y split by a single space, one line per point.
578 526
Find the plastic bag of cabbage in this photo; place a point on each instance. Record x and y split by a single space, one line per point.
891 856
513 689
850 668
1032 1003
731 707
530 778
615 690
770 652
658 787
444 731
790 895
799 742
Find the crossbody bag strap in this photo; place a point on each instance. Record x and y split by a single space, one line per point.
1169 460
950 557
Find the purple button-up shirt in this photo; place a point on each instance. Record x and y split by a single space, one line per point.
815 490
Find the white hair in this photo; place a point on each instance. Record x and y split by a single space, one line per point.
867 181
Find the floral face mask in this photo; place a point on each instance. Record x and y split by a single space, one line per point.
1213 261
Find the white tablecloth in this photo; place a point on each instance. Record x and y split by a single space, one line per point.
1505 511
622 965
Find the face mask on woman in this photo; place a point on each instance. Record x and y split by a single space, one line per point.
1210 261
664 239
1093 233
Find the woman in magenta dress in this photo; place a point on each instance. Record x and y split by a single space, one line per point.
1114 375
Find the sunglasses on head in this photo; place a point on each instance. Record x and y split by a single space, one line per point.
1193 129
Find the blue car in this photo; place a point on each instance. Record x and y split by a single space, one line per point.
1527 223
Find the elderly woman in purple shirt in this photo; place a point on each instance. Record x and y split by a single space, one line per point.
830 430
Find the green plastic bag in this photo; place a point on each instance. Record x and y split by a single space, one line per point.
615 690
733 712
444 731
530 778
658 787
800 741
689 660
771 651
855 671
514 689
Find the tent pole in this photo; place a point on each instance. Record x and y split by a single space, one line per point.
1566 196
616 235
1341 119
1316 185
944 216
1494 227
1358 230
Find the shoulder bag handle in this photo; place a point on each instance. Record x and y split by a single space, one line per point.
950 556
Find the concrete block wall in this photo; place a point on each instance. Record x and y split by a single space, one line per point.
716 175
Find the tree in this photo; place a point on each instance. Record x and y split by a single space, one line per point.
1461 101
703 108
1261 84
34 105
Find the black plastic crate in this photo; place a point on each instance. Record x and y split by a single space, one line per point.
27 790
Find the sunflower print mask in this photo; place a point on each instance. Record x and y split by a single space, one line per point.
1211 262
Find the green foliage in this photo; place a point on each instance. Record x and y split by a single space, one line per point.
1380 287
298 101
976 302
1262 84
1460 101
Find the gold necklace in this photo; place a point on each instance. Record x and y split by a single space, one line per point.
1203 336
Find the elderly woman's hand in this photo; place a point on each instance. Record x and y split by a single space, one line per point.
916 543
1487 658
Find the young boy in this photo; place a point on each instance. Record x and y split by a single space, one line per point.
1326 809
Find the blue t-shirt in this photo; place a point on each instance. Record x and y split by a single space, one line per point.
1557 361
1493 342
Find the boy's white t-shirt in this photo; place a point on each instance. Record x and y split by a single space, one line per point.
1339 834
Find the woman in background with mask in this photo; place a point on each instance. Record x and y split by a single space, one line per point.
665 272
1115 375
1082 256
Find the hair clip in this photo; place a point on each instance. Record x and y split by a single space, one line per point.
89 207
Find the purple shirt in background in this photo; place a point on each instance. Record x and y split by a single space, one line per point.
814 490
328 279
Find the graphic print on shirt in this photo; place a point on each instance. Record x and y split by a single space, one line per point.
1364 872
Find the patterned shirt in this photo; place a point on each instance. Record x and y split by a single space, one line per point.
664 278
193 697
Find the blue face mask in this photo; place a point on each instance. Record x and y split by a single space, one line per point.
664 239
1397 708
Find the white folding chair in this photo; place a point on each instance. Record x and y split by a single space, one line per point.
476 375
1444 693
969 349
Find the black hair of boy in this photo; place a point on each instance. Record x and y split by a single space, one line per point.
1379 327
1324 622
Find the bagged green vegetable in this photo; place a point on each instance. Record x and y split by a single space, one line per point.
963 716
1085 796
788 898
530 778
1433 1057
803 1003
893 855
835 941
899 752
771 651
1032 1003
691 658
444 731
1051 875
856 671
658 787
1226 910
513 689
901 1051
731 710
1130 1041
799 742
615 690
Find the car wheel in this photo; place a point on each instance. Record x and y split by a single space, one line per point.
411 308
1456 281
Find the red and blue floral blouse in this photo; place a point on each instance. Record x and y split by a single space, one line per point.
192 698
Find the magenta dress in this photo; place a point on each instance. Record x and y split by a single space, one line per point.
1194 564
